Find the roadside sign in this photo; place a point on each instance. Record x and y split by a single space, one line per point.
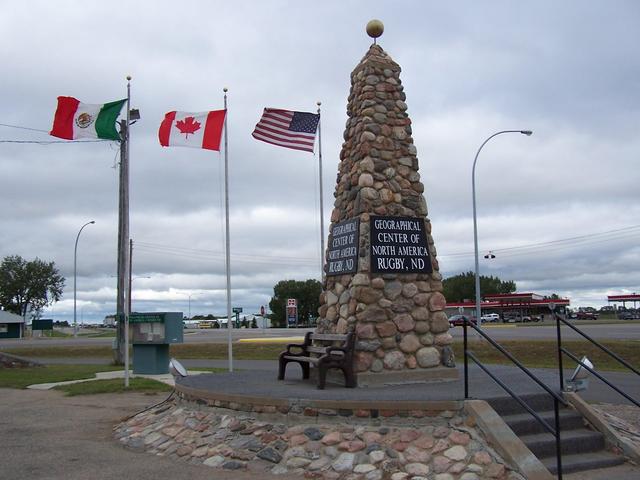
262 310
236 309
43 324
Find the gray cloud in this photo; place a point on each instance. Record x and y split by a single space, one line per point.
568 71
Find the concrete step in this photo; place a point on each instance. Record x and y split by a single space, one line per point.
527 424
538 402
581 462
573 441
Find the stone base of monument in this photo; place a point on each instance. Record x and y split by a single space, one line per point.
403 377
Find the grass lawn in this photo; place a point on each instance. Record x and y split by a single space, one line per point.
21 377
543 353
537 354
116 385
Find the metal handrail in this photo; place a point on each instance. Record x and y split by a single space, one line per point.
599 345
562 350
516 362
591 370
556 398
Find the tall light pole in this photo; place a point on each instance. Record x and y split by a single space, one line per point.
75 277
475 222
190 305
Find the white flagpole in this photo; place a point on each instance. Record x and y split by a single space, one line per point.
228 253
321 206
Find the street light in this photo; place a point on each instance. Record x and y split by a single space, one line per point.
75 277
475 223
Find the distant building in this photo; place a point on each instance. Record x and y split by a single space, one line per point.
11 325
504 304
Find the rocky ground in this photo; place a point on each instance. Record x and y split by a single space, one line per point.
448 449
624 418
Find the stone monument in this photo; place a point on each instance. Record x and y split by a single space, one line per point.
381 274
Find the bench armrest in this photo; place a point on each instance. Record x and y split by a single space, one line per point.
301 346
342 350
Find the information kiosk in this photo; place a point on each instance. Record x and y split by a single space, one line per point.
151 334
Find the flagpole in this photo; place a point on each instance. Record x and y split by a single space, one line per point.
321 206
228 253
125 240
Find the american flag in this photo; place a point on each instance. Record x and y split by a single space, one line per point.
288 129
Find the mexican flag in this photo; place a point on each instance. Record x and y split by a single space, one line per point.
188 129
74 119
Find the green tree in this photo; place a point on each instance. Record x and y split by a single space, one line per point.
463 286
28 286
306 292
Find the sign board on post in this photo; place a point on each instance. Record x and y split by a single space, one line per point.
43 324
292 312
342 251
399 245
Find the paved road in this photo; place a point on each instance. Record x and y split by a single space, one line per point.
46 435
629 331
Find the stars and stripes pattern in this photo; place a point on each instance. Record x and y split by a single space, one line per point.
287 129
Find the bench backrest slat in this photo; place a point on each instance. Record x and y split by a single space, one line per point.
313 349
329 337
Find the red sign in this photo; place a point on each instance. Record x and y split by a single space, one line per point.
262 310
292 302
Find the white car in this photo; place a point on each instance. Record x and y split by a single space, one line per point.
490 317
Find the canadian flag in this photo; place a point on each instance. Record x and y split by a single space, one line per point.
189 129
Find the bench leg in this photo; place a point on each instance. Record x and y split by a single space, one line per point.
305 370
281 368
322 377
350 380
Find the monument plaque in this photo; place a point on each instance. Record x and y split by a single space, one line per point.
399 245
342 252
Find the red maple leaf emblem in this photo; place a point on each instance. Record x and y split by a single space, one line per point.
188 125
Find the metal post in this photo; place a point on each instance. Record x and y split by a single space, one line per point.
322 252
558 440
475 223
466 359
559 338
75 277
228 254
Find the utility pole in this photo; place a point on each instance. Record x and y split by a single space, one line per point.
123 239
130 270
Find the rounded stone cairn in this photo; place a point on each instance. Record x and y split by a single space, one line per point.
399 319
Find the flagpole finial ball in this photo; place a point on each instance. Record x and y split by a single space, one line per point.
128 77
318 103
225 89
375 28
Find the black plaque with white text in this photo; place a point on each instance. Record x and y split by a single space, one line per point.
342 252
399 245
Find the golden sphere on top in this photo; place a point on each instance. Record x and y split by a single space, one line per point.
375 28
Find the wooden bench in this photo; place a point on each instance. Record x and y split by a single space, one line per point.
337 353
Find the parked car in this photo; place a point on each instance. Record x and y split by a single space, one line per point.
458 320
490 317
626 316
586 316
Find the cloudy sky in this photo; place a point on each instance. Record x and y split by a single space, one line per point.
559 209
